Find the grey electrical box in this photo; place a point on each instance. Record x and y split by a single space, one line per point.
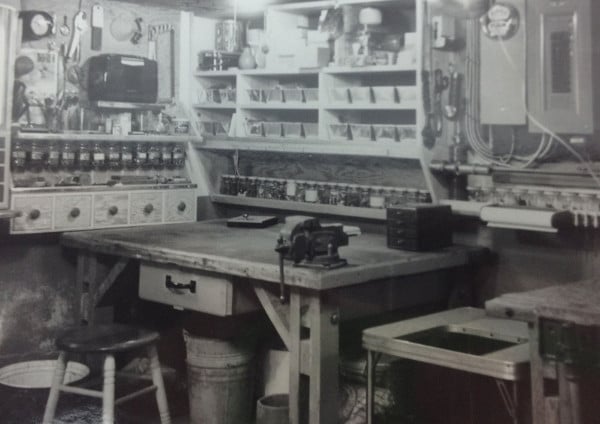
563 54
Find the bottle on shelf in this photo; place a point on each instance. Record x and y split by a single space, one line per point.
99 156
154 156
127 156
84 157
37 156
166 156
178 155
67 160
18 156
140 158
114 156
53 156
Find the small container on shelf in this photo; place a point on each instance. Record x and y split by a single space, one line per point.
292 129
385 132
311 95
290 190
311 194
273 95
360 95
339 95
384 95
339 132
406 133
114 156
207 95
406 94
255 95
254 128
227 95
67 159
272 129
292 95
361 132
310 129
376 198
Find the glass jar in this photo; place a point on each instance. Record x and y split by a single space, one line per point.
166 156
376 198
178 154
99 156
67 160
140 155
37 156
311 194
155 156
18 156
127 156
114 156
84 157
325 194
290 190
243 184
300 190
53 156
334 195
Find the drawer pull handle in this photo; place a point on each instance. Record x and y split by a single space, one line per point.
113 210
181 207
75 212
148 208
176 286
34 214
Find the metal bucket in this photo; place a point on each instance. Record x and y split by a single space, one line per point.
273 409
229 36
220 380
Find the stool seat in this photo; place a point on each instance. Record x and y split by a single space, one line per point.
105 339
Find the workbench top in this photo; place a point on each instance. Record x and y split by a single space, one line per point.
577 302
214 247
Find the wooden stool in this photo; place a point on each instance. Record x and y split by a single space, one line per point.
107 340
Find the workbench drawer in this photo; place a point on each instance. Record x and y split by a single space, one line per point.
195 290
180 206
146 207
35 213
72 212
111 209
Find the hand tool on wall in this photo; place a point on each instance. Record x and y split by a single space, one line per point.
80 26
97 25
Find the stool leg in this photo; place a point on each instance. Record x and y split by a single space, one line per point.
108 391
370 388
157 380
57 381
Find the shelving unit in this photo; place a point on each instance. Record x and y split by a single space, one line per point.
79 136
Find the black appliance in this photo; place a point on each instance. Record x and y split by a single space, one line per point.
122 78
419 227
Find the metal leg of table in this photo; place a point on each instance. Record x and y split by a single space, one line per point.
370 388
537 377
294 332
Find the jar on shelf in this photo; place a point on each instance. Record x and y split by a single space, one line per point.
325 194
178 155
166 156
84 157
352 195
140 155
18 156
114 156
99 156
376 198
243 186
290 190
311 194
252 187
127 156
343 194
364 195
53 156
155 156
37 156
68 160
300 190
334 195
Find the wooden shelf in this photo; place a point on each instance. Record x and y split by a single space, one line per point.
78 136
367 69
283 71
230 106
313 208
127 106
399 150
216 74
371 106
280 106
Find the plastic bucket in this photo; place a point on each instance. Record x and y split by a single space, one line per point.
273 409
220 380
38 374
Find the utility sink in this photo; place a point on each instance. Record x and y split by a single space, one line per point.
464 339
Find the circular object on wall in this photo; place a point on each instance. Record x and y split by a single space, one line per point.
123 27
370 16
23 66
36 24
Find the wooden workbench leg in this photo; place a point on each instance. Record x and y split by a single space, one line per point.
370 388
324 361
537 376
86 274
294 348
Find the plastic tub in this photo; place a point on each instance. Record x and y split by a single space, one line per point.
384 132
292 129
361 132
38 374
292 95
339 132
384 95
227 95
339 95
360 95
273 95
272 129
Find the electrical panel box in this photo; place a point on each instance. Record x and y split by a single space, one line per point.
562 57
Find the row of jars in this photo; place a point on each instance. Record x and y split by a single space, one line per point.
321 192
85 156
536 198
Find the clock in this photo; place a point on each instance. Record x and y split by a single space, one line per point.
36 24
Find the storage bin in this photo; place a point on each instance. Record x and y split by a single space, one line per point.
273 95
292 95
339 95
254 128
360 95
384 95
406 94
255 95
311 95
339 132
272 129
384 132
310 129
227 95
406 132
292 129
361 132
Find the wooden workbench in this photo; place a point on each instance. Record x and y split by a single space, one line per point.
569 304
249 256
